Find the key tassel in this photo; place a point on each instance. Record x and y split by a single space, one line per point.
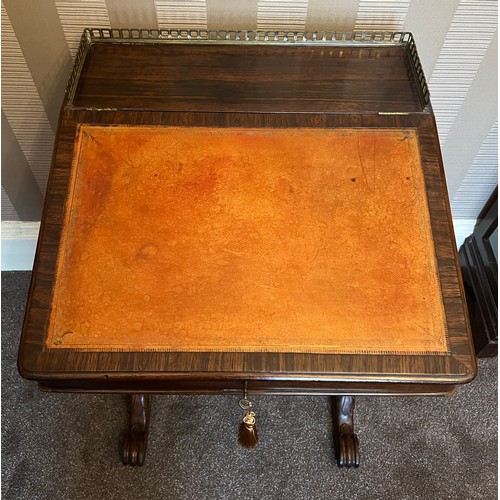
248 436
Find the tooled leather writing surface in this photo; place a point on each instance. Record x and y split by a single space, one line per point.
286 240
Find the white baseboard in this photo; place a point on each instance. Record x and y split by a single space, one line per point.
19 245
19 242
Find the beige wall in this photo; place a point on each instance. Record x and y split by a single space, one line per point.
457 42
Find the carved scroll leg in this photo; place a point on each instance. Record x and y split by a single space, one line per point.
346 442
135 440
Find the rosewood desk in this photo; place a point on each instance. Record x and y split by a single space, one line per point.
246 213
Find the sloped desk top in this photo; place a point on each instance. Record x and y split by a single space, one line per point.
253 216
279 240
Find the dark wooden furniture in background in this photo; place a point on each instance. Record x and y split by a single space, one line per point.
479 262
366 85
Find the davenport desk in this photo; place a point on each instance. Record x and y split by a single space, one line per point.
246 213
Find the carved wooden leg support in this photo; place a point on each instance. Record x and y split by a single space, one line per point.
346 442
135 440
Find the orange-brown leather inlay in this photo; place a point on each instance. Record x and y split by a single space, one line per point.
285 240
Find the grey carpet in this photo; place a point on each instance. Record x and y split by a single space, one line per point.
65 446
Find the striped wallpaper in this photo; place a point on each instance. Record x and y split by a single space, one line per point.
457 42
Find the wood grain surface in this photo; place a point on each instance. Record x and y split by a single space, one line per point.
238 78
